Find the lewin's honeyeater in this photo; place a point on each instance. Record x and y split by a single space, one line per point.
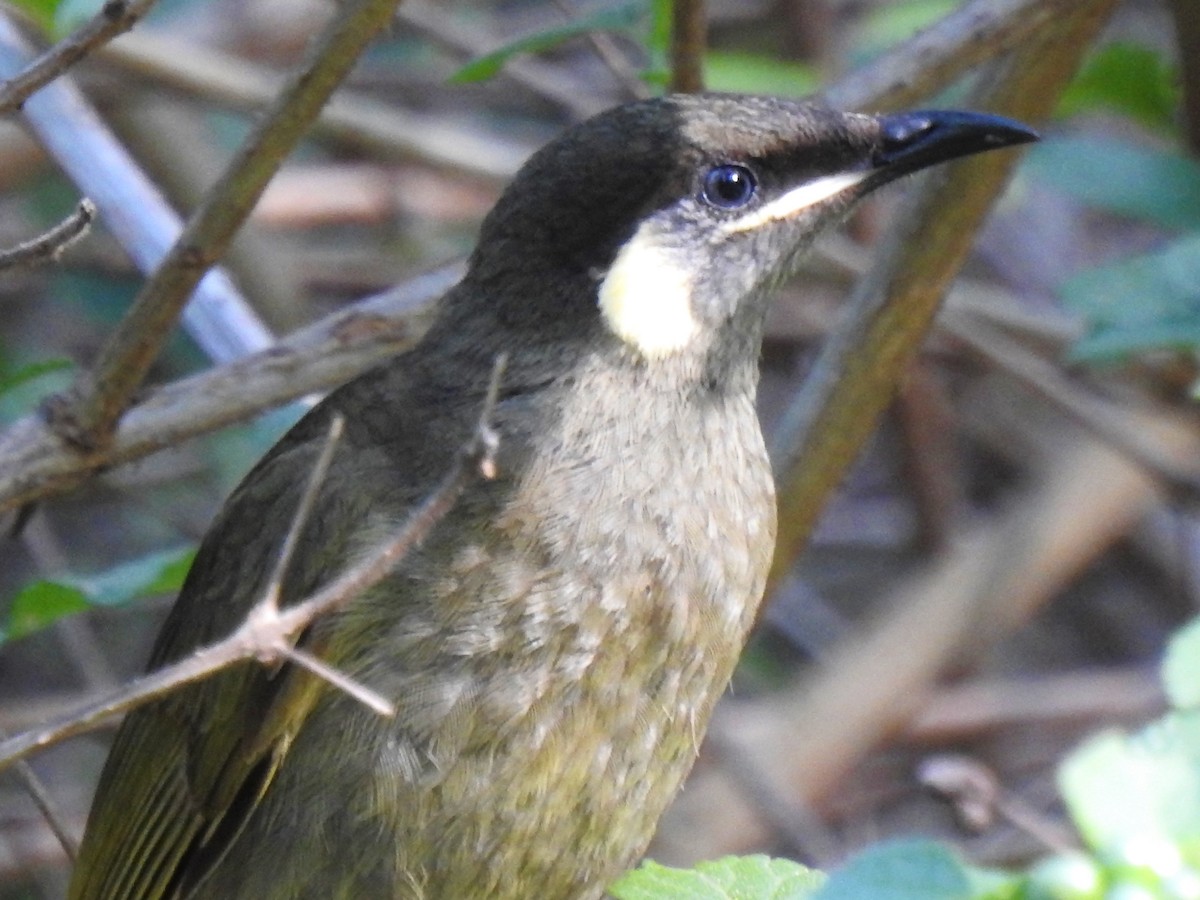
556 645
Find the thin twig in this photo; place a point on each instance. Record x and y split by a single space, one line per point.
308 499
610 55
89 415
82 145
34 463
115 17
265 635
373 700
973 33
350 119
49 247
49 809
689 39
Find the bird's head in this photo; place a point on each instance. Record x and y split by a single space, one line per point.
662 223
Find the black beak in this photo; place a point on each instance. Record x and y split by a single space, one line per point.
914 140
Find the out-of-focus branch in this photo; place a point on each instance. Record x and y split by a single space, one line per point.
88 414
689 39
129 205
856 374
1187 39
49 246
974 33
114 17
353 120
34 463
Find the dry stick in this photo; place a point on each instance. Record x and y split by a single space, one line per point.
114 17
1187 38
34 463
856 373
308 499
178 148
1114 423
48 247
267 633
977 31
88 414
69 130
354 120
48 807
689 38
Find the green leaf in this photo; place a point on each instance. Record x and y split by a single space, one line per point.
914 870
615 19
1159 187
731 878
747 73
41 11
658 37
31 372
1148 302
1126 78
1181 667
1138 791
42 602
155 573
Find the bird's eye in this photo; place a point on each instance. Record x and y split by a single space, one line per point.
728 186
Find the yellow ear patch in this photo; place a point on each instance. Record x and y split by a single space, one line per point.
646 298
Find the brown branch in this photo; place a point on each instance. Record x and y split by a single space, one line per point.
71 132
89 413
689 39
49 247
974 33
304 509
1109 421
268 632
352 120
49 809
1187 39
34 462
115 17
892 308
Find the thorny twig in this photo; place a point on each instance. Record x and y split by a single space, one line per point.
267 634
48 247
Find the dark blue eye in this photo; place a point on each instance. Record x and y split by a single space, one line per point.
728 186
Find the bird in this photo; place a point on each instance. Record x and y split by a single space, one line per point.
556 644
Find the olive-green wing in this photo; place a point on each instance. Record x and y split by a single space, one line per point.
186 771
